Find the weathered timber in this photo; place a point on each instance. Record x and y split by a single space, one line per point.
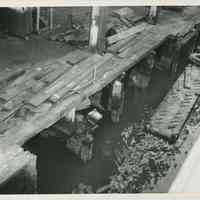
13 91
86 76
123 12
63 80
14 104
135 40
11 108
59 69
118 45
27 129
101 44
173 111
9 76
15 160
26 80
136 29
25 93
150 42
75 57
24 130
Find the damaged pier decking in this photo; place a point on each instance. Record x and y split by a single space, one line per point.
46 92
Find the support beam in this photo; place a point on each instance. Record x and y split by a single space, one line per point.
98 29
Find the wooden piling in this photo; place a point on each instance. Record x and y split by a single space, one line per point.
98 29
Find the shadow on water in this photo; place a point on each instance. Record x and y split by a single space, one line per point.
59 170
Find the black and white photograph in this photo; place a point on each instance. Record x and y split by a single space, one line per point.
99 99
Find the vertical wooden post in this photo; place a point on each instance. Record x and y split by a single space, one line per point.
98 29
69 18
38 20
30 175
51 18
152 14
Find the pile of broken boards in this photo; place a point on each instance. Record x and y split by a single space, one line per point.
119 20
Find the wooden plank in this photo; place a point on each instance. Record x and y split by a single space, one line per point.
25 81
87 77
15 90
120 44
75 57
134 30
9 108
59 69
10 75
63 80
149 42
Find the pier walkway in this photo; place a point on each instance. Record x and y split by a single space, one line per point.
32 100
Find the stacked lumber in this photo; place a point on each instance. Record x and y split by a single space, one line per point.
129 32
121 19
127 16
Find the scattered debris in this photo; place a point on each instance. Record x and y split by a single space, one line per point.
143 159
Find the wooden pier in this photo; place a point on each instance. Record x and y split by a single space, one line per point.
36 98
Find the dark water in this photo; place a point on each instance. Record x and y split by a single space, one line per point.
59 170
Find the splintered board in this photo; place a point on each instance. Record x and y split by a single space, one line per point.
173 111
